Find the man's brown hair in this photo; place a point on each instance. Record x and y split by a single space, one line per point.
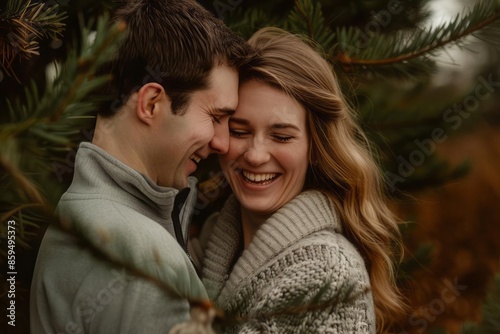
175 43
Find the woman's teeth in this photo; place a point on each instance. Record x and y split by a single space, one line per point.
259 177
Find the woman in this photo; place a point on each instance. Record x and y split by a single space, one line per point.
306 242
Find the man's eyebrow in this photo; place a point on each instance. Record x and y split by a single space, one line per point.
225 111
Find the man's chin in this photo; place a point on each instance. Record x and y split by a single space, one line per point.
176 184
180 184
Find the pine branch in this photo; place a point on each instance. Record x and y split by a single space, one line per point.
246 22
490 323
43 128
22 24
20 179
307 17
49 116
491 308
403 48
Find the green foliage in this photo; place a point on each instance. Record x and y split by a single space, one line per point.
247 22
44 128
404 131
408 52
22 24
382 56
307 16
37 144
385 40
417 259
491 308
490 323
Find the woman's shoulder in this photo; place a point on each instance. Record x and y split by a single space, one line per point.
332 252
322 267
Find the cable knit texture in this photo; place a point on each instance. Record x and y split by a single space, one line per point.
298 254
125 215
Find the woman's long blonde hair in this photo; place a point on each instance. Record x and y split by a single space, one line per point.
341 164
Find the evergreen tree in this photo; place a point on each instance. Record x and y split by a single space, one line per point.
376 47
490 323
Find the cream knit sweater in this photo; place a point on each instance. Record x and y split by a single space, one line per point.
296 254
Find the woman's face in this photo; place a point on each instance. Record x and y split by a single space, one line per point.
267 160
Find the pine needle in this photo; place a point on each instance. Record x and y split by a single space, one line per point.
22 25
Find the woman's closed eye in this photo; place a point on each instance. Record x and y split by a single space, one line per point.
282 138
242 133
237 133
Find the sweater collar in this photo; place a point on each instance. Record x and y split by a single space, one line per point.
309 212
98 172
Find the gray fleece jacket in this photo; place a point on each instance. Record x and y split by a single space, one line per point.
125 215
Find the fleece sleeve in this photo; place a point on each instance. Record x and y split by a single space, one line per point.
140 308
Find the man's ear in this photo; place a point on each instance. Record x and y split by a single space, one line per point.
151 100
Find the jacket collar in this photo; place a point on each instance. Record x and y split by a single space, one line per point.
100 174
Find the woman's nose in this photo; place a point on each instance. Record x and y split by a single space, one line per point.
257 154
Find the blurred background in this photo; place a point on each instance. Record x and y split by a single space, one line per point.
424 77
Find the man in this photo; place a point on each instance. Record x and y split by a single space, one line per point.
175 82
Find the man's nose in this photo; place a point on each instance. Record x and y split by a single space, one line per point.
220 142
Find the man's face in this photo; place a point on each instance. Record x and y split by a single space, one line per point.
184 140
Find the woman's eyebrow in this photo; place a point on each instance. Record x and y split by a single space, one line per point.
242 121
284 126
